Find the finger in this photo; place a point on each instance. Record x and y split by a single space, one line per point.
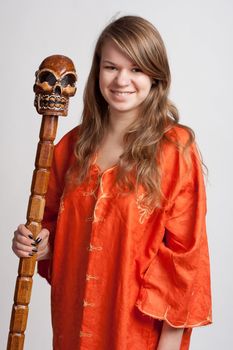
42 248
44 252
16 246
43 244
24 231
18 237
22 253
43 234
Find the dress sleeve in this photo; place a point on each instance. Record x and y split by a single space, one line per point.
53 195
176 286
62 158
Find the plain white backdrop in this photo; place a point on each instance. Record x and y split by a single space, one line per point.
198 37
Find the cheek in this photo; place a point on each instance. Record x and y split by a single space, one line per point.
145 85
103 81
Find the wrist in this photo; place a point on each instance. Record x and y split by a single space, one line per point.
170 338
45 254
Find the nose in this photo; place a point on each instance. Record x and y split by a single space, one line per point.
123 77
57 90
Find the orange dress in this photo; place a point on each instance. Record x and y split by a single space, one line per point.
119 268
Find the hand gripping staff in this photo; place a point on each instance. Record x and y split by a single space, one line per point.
55 83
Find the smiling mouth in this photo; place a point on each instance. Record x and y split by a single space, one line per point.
122 93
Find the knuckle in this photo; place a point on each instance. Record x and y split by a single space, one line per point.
16 245
22 254
20 227
45 231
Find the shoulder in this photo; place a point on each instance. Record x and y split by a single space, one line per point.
180 135
68 140
180 161
64 152
176 141
179 152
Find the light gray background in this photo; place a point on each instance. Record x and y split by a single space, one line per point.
198 37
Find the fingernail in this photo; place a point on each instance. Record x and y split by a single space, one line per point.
30 236
38 240
34 250
30 254
33 244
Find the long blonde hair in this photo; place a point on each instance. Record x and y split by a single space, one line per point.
142 43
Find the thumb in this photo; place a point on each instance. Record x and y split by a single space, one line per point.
43 235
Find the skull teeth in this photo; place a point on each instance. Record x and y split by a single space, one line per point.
52 102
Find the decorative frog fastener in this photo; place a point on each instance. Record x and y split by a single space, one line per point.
55 84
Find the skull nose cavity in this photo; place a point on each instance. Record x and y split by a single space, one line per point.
57 90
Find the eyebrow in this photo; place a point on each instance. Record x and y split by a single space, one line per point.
107 61
115 64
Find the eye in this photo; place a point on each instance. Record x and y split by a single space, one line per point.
68 79
110 67
136 70
48 77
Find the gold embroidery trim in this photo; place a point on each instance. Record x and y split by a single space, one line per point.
61 207
91 218
85 334
144 210
91 277
103 195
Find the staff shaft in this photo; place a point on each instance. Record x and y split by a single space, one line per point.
35 214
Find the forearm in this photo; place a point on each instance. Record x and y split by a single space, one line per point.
170 338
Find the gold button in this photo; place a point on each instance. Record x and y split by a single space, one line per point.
86 303
85 334
91 277
91 248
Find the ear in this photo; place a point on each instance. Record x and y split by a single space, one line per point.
154 82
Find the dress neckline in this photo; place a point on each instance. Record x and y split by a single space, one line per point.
101 171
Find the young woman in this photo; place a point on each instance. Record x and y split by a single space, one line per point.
124 243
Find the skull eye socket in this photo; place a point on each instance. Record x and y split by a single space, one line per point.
68 79
48 77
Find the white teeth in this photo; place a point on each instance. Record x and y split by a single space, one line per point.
119 93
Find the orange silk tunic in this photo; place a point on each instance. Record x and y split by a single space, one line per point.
119 267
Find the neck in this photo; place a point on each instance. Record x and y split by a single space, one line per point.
119 122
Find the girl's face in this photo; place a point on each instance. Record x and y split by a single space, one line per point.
123 85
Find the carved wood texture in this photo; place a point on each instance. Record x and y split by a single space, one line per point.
35 213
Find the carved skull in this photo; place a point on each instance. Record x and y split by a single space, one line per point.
54 85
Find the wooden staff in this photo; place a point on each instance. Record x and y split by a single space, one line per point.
55 83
